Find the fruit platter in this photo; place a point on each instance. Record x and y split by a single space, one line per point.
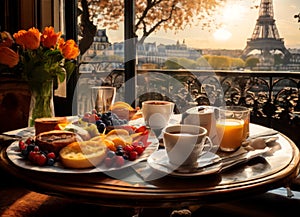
93 143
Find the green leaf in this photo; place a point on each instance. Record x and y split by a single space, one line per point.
61 74
70 67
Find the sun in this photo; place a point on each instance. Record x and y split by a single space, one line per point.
222 34
228 17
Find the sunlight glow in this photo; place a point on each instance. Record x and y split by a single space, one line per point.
222 34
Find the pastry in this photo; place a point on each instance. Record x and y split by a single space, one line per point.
123 110
55 140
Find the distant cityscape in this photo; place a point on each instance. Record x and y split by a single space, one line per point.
102 50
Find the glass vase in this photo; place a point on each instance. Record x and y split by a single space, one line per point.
41 103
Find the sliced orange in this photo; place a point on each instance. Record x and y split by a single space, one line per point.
118 131
110 145
98 138
118 141
121 105
61 126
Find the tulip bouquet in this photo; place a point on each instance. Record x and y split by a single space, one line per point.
41 58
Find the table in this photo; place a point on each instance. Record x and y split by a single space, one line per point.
257 176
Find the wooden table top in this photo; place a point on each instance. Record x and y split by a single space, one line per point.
127 188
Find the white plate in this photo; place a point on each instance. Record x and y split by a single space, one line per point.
15 156
158 160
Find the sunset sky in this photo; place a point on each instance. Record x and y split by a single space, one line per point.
238 20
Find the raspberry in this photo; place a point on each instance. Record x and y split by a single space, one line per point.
41 159
51 155
133 155
139 149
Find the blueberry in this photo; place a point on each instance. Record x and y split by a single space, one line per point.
120 152
111 154
119 147
50 161
30 147
25 152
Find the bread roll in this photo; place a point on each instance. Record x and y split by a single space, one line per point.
47 124
85 154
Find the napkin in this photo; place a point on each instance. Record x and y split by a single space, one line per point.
21 133
257 131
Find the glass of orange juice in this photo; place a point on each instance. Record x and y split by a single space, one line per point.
232 126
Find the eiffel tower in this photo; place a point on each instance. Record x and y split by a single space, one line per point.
265 37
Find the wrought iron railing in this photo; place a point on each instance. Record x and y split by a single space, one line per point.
273 96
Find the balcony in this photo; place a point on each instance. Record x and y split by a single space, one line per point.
273 96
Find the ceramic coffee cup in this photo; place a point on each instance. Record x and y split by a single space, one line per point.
184 144
157 113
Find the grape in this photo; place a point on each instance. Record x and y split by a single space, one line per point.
114 116
101 126
107 119
116 122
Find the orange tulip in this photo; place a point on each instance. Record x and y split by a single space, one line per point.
69 48
8 57
6 39
28 39
49 38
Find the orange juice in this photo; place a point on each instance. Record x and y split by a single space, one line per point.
230 133
246 129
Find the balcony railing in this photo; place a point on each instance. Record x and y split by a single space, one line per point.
273 96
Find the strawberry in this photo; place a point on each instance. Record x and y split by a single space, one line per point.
141 129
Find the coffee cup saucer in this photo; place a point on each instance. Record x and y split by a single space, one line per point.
209 163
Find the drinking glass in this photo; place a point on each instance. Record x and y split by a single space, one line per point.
102 98
232 126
